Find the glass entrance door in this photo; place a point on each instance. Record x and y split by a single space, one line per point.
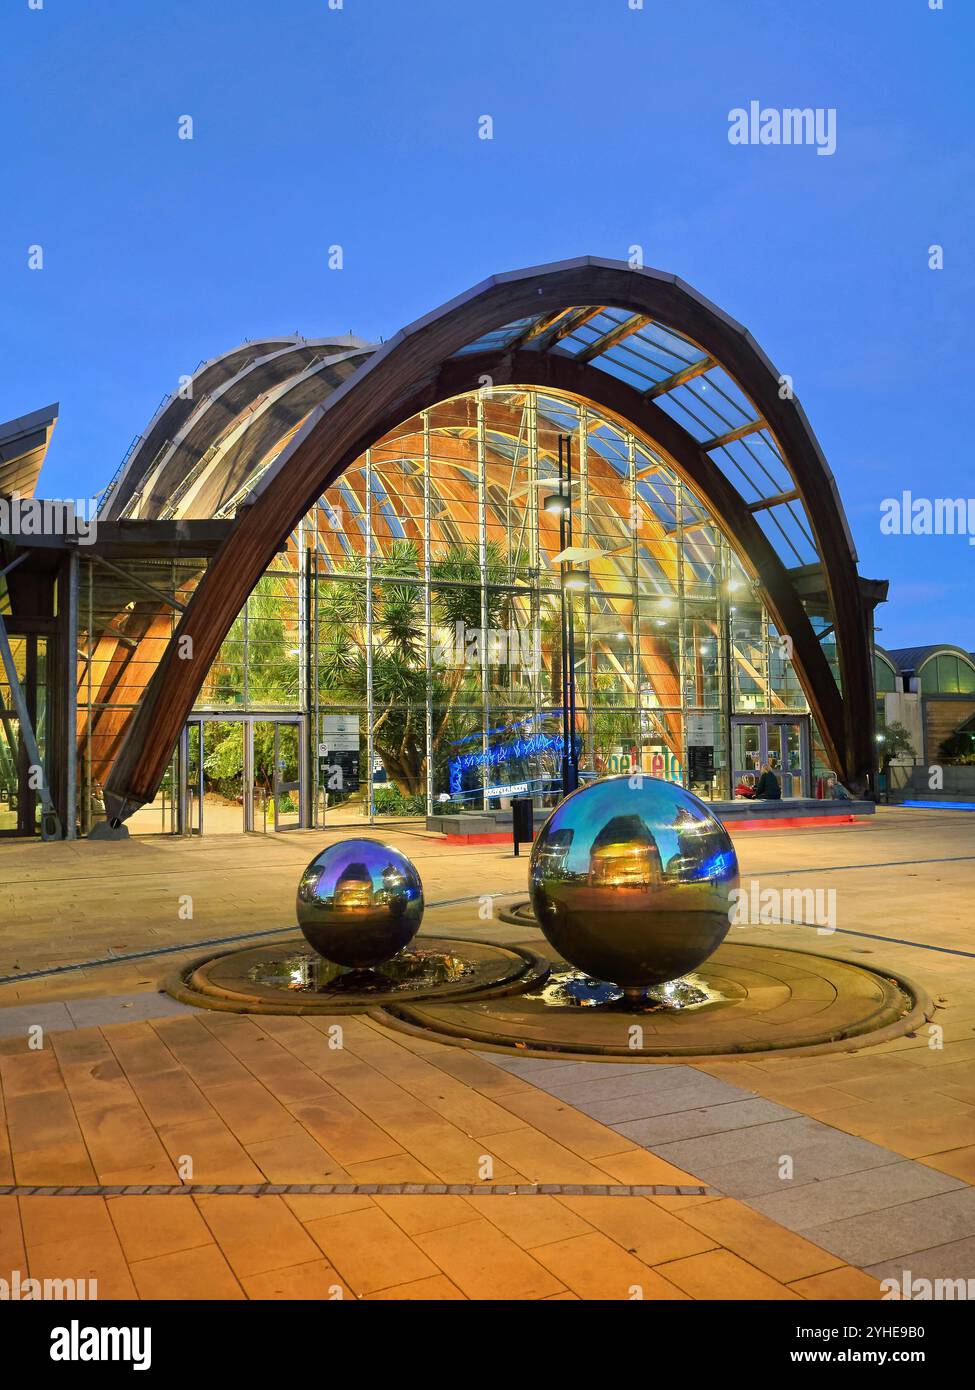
747 753
191 760
287 776
241 773
786 739
783 743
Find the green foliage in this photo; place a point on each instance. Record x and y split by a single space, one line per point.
958 747
399 680
895 742
390 801
272 666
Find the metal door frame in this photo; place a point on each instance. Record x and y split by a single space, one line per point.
201 717
279 787
766 723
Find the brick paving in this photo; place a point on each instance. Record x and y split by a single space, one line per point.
437 1184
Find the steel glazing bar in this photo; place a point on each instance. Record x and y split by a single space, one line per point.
138 583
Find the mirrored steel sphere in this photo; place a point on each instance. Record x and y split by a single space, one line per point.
630 880
359 903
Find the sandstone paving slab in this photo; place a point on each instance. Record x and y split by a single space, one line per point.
720 1274
873 1237
838 1285
152 1226
853 1194
370 1251
256 1236
538 1222
784 1255
314 1281
484 1263
595 1267
95 1257
960 1163
638 1225
200 1273
436 1289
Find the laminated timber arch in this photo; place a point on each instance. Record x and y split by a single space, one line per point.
510 330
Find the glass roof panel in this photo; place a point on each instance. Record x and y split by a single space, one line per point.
755 466
716 381
788 531
708 406
652 364
588 333
717 411
687 414
498 338
628 369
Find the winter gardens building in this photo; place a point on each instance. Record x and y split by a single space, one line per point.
334 580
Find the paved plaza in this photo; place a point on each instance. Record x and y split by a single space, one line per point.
450 1172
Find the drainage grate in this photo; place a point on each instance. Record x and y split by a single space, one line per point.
366 1189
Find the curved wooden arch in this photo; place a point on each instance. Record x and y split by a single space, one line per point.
414 371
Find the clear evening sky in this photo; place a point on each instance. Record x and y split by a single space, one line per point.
359 126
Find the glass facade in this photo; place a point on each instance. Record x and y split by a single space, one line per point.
948 674
415 622
127 613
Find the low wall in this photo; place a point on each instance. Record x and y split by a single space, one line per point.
957 783
494 827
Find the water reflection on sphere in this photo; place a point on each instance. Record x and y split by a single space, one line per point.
630 880
359 903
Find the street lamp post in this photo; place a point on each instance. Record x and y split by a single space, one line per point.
561 502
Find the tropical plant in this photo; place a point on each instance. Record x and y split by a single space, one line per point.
399 680
272 682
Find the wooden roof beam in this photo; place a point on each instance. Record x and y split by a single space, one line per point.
563 326
615 335
765 502
742 432
680 378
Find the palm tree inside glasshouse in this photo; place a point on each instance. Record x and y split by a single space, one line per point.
399 677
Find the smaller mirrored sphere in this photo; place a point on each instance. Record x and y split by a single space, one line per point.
631 880
359 903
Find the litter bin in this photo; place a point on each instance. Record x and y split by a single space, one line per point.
522 821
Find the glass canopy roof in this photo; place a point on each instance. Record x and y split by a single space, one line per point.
693 389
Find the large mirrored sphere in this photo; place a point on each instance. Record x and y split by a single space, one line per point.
359 903
630 880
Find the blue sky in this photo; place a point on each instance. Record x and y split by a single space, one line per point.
358 126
